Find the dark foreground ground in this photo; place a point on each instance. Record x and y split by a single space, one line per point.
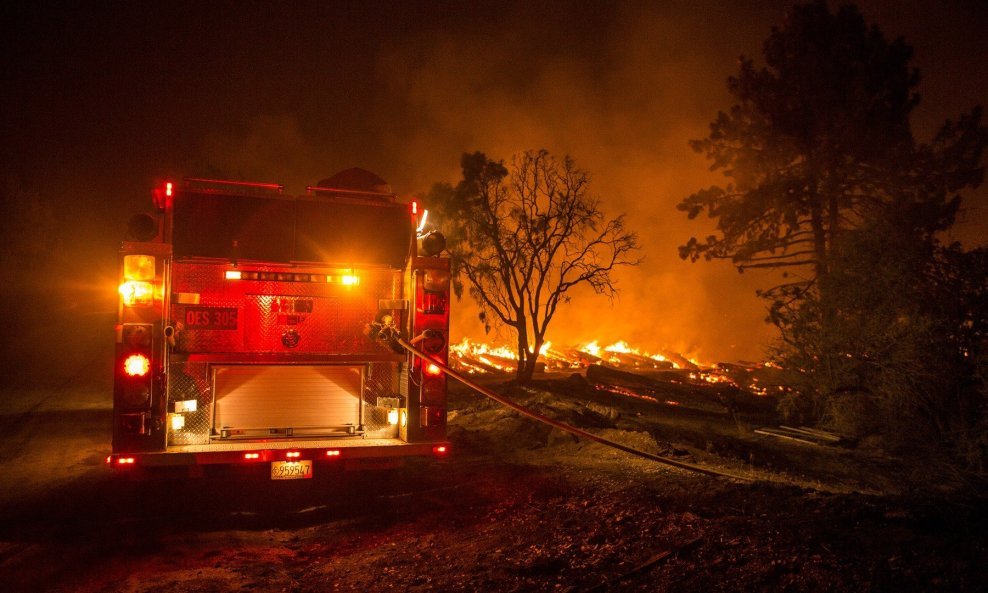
514 508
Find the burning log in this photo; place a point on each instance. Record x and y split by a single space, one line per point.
630 359
562 360
584 358
680 360
706 398
471 364
499 362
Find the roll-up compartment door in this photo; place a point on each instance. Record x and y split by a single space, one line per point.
269 399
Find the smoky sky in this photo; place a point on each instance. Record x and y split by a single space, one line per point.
102 100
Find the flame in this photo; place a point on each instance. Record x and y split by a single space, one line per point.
591 348
479 358
621 346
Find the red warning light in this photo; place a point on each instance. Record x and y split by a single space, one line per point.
137 365
415 207
433 370
440 449
168 189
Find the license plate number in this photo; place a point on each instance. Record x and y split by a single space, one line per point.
291 470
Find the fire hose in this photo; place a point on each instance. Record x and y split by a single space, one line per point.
391 335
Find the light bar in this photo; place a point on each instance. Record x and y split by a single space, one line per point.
344 279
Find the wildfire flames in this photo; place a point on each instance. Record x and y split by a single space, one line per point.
479 358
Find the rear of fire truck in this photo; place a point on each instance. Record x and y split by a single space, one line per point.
243 333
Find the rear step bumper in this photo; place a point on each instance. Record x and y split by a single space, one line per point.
260 452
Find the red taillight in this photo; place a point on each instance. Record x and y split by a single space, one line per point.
440 449
433 303
433 370
293 455
137 365
415 207
125 461
333 453
252 456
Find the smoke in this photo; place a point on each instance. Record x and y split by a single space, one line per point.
623 98
622 91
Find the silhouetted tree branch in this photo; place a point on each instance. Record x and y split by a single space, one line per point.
523 237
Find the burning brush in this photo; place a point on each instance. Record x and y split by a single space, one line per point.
479 358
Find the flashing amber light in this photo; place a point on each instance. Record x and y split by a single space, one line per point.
349 280
135 293
250 456
138 267
440 449
433 370
333 453
137 365
293 455
233 275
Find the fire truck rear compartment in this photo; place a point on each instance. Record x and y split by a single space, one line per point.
265 401
232 402
245 380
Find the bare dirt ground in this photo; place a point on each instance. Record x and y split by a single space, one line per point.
516 507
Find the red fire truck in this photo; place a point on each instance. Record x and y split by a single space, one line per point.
248 321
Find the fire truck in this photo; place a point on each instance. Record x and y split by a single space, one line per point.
249 321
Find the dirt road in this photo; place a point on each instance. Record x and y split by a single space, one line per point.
532 514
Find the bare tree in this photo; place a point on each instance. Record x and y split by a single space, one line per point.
522 238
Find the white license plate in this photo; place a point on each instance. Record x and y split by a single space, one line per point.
291 470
